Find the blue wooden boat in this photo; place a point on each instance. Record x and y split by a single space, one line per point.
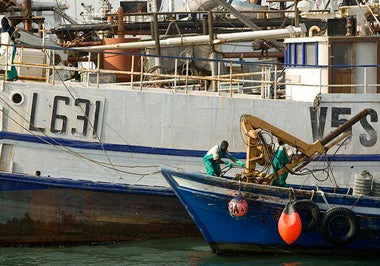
332 219
344 224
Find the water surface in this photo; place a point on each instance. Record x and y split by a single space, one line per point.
185 251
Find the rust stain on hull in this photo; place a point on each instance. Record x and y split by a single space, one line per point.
72 216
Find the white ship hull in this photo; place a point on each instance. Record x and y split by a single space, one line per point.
140 130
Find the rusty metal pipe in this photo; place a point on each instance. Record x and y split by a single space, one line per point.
27 5
120 23
344 127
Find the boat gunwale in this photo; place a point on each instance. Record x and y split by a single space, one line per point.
97 186
248 189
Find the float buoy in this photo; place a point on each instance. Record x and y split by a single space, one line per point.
309 214
289 224
339 225
238 207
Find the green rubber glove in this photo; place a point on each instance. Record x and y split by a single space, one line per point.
230 165
240 163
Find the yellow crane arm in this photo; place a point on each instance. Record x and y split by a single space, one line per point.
251 123
258 153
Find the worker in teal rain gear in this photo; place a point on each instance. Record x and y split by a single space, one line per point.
213 159
280 159
9 49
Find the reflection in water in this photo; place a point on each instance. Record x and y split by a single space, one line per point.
185 251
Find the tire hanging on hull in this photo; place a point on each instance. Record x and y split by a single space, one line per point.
309 214
339 225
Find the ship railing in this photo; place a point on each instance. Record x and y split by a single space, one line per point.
220 83
230 83
255 14
225 81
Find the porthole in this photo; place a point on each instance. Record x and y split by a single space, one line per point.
17 98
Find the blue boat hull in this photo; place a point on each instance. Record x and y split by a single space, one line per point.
37 210
206 199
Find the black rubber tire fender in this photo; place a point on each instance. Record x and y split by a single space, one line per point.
309 214
339 215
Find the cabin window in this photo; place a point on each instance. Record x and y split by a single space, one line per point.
301 54
342 54
311 54
292 53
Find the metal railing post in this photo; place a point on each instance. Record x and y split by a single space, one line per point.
88 69
230 78
262 92
97 70
141 72
218 89
365 80
132 72
53 68
6 63
175 74
320 80
47 57
275 82
187 76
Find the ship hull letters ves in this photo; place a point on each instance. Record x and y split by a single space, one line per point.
319 118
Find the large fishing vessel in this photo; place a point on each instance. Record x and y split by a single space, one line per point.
106 106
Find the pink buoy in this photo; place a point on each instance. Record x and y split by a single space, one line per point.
238 207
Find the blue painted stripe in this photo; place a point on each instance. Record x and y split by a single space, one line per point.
155 150
12 182
106 146
354 157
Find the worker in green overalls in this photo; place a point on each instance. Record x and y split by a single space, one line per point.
212 159
9 48
280 159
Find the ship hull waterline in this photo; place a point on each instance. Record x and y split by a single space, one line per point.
40 211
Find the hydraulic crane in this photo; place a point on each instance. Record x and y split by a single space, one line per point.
259 152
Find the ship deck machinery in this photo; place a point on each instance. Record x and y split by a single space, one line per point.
259 152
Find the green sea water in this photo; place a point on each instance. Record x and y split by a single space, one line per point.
186 251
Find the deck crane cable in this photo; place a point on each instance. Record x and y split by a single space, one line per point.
61 147
263 142
304 171
327 169
267 149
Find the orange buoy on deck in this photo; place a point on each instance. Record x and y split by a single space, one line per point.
289 224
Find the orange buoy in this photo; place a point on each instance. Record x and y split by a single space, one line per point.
289 224
238 207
